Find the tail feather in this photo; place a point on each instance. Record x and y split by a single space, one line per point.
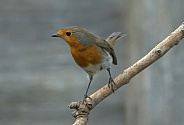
114 37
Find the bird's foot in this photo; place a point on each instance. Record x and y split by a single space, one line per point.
111 84
86 102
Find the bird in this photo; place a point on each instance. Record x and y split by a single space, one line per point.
91 52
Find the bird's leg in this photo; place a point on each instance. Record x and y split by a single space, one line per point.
86 94
111 81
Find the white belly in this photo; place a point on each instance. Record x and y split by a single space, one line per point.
106 63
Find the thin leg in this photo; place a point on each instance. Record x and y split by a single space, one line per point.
111 81
86 94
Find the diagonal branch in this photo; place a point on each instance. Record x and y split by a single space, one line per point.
82 111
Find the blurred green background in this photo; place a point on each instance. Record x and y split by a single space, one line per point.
38 77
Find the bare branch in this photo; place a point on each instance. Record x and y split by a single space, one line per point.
82 110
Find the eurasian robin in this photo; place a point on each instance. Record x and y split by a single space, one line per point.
90 52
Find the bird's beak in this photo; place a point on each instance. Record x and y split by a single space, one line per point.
55 35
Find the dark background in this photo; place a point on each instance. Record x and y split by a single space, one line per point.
38 77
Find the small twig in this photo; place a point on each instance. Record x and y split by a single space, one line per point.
82 111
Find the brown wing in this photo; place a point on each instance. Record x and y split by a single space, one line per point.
106 46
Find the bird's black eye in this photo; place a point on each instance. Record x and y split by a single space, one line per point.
68 33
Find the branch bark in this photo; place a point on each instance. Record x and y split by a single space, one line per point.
82 111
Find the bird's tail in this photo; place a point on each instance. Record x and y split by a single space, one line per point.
114 37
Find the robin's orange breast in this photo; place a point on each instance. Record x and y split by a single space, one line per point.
86 56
